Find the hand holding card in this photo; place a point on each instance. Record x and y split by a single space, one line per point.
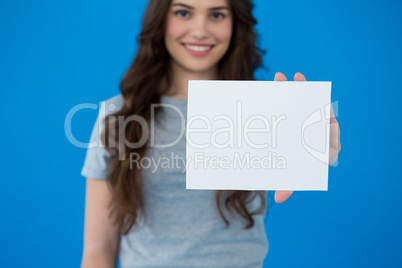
258 135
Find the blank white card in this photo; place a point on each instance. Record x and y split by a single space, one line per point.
257 135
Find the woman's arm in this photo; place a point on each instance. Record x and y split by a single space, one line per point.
101 235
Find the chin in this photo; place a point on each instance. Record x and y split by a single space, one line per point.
197 67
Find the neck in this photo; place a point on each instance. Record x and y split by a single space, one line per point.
180 77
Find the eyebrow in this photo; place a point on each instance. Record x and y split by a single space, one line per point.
190 7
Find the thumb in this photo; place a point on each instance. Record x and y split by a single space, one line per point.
282 196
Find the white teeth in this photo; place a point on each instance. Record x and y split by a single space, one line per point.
198 48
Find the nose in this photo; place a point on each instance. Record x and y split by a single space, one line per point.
199 28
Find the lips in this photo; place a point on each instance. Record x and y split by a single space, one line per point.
198 49
197 44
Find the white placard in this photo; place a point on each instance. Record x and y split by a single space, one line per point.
257 135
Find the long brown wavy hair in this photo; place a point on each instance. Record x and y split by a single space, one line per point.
147 79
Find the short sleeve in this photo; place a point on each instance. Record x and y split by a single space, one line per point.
98 159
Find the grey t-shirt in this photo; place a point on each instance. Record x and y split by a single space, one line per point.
183 227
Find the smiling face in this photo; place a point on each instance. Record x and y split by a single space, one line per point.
198 33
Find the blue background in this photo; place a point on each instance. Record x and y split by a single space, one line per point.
57 54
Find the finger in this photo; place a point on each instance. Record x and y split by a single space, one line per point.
280 77
299 77
332 116
282 196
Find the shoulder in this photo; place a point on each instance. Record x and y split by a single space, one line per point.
108 107
112 104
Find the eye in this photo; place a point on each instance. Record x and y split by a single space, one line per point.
182 13
217 15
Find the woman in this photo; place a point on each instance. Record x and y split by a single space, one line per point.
160 223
